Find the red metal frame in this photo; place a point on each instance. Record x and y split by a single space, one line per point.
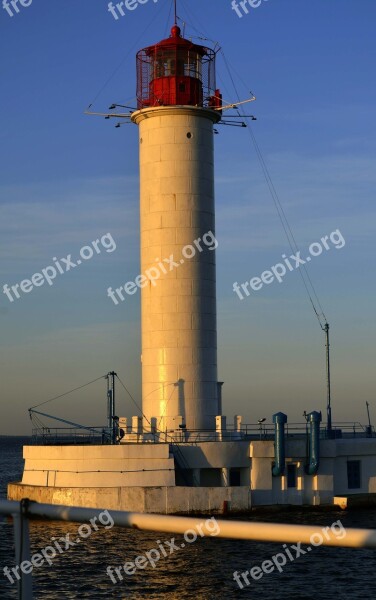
177 72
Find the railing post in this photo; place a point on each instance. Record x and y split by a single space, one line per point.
22 548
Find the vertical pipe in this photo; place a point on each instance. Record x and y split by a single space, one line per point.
279 420
314 419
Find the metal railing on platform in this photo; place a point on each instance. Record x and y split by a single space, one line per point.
248 432
70 435
22 512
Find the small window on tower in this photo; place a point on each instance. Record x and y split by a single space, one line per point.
181 87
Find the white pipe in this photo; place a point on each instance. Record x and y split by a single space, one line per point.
240 530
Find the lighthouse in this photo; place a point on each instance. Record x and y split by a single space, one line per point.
182 456
177 108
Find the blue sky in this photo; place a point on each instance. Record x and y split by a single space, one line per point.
68 179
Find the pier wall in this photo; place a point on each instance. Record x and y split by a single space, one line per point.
160 500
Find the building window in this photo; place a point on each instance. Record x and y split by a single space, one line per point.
353 474
234 477
291 476
210 477
185 478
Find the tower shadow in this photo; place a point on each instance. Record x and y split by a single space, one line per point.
181 397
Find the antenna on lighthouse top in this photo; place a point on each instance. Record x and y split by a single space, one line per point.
175 12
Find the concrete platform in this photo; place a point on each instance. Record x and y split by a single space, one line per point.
159 500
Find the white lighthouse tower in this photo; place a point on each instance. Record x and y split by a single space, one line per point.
177 102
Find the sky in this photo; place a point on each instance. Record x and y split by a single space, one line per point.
67 179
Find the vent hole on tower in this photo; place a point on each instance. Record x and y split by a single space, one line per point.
189 135
141 140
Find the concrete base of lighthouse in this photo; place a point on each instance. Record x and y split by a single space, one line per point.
141 477
205 477
158 500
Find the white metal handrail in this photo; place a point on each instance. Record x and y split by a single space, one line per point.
22 511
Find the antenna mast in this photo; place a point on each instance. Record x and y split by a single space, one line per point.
329 398
176 16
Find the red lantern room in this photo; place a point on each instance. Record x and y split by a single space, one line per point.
177 72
